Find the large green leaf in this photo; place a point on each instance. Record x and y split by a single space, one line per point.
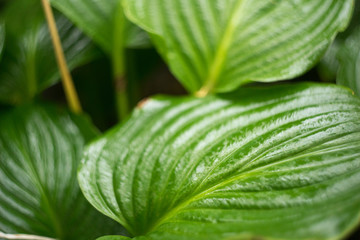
218 45
103 21
28 65
279 162
40 149
349 56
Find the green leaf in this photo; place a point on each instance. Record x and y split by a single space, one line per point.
278 162
40 149
28 65
219 45
103 22
349 56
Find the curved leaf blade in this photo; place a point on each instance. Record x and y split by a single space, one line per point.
100 20
349 56
277 162
40 149
29 65
219 45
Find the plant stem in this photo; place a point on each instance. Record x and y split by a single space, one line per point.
70 91
121 97
23 237
118 65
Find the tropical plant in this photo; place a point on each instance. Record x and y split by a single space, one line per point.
240 157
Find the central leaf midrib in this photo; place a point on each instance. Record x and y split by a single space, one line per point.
222 51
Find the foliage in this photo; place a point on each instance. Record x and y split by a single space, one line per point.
246 41
28 64
105 23
108 26
39 191
270 161
228 161
340 51
349 56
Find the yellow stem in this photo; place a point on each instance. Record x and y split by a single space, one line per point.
23 237
67 81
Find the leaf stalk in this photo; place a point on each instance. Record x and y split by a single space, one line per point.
23 237
118 65
70 91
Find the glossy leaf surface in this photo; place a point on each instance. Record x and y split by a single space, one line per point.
218 45
28 65
40 149
349 56
103 22
279 162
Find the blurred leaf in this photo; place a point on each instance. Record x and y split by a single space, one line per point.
40 149
278 162
354 24
103 22
28 65
219 45
329 64
349 57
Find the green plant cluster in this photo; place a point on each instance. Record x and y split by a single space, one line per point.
242 156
